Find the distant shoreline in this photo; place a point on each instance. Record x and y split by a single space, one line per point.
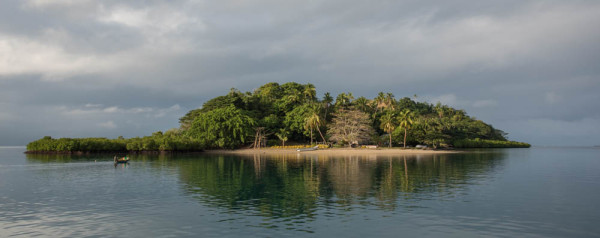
330 151
334 151
144 152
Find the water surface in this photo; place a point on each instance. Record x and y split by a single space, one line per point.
537 192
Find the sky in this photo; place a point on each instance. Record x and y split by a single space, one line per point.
86 68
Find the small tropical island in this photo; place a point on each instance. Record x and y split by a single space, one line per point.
290 116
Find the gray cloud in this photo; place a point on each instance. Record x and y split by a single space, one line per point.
527 67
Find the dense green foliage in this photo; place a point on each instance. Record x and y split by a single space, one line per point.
293 110
227 127
479 143
79 144
171 140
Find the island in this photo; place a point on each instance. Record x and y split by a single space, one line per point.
290 116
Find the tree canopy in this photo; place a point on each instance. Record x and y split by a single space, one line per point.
292 113
296 109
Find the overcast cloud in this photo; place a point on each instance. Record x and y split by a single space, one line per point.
83 68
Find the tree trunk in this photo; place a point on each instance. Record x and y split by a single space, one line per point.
390 145
311 136
405 138
255 139
259 141
322 137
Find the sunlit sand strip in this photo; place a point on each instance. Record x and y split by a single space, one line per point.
335 151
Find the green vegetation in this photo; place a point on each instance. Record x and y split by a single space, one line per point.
80 144
291 112
227 127
479 143
171 140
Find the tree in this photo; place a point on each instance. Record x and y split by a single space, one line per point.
349 126
388 124
327 100
222 128
313 120
362 104
390 101
440 109
380 101
295 121
283 136
309 93
430 130
344 100
406 121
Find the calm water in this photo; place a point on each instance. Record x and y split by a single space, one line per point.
538 192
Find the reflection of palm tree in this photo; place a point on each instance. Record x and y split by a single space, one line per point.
406 120
405 169
279 186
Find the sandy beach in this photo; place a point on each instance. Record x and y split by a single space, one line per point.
334 151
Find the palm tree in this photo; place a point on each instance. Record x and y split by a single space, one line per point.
406 120
292 98
327 100
380 101
283 136
362 104
388 124
390 101
309 92
313 120
439 109
344 99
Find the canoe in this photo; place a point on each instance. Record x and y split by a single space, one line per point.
308 149
122 160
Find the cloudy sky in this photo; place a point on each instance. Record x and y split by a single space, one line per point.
85 68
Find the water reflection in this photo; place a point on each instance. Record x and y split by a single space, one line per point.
290 191
535 192
288 185
67 158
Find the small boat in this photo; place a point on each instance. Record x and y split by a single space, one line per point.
308 149
121 160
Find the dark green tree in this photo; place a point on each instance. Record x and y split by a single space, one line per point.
227 127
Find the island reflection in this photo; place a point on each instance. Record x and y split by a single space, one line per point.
292 190
280 186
